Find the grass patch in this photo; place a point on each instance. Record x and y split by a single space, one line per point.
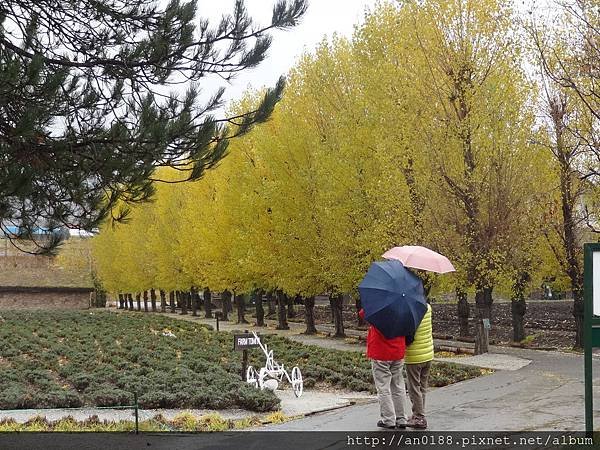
184 422
445 354
443 373
276 417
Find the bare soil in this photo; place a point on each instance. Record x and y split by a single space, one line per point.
548 324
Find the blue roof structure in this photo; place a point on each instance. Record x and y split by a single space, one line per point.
14 231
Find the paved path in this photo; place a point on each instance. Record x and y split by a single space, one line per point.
294 333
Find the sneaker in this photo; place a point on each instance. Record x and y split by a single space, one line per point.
401 423
380 424
417 422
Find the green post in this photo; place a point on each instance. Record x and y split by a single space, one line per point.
588 292
135 399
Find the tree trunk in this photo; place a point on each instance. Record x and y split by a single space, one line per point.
270 305
260 311
207 299
281 311
518 306
309 315
188 296
570 203
225 302
153 299
130 298
463 311
240 305
291 311
184 302
172 301
163 301
336 303
145 301
358 304
138 299
483 308
229 303
195 300
331 312
120 301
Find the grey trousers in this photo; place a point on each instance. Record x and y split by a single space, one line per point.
418 378
391 392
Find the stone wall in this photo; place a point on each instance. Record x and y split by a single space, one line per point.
44 298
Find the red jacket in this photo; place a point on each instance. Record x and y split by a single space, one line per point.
380 348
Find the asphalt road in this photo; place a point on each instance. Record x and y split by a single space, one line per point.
546 394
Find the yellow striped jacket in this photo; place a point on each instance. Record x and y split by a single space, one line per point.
421 350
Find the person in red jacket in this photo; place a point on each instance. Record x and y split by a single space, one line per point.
387 360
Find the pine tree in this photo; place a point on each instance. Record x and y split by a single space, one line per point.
85 113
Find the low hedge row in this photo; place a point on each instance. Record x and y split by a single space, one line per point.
71 359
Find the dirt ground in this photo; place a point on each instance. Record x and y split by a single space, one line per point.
548 324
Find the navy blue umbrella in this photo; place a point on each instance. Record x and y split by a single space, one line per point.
393 299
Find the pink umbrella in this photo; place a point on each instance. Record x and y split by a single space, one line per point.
420 258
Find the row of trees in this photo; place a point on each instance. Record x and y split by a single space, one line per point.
443 123
280 307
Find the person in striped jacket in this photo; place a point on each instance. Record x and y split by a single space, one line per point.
417 359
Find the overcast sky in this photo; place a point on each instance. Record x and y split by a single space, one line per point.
324 17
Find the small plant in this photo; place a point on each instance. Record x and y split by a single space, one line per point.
185 422
10 425
37 423
212 422
66 425
276 417
246 423
528 339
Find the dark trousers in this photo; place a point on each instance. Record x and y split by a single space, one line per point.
418 377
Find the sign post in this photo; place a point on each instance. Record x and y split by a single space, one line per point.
218 315
242 342
591 323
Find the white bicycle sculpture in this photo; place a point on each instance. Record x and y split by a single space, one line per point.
273 371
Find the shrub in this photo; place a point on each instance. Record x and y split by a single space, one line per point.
59 398
85 364
256 400
158 399
81 381
106 395
16 396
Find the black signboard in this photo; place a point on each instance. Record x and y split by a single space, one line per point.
245 341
